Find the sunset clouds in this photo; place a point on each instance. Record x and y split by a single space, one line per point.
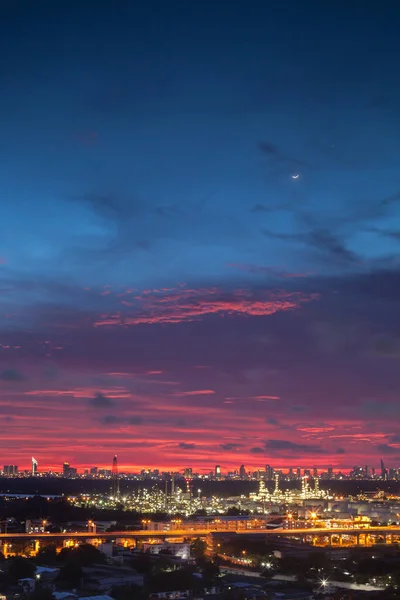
180 305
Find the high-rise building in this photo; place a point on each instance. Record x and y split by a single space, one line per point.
315 472
217 472
384 472
242 472
269 472
10 470
188 472
66 470
34 466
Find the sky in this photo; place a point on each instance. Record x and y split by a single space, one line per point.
200 234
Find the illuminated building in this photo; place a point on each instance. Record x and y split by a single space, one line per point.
34 466
269 472
384 472
242 472
66 470
217 472
10 470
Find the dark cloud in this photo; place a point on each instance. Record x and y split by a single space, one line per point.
297 408
379 409
323 240
109 420
257 208
109 206
328 242
287 446
277 156
387 449
100 400
262 208
168 211
389 233
12 375
340 451
115 420
390 199
230 447
387 346
186 446
257 450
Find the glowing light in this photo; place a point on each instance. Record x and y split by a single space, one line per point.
295 176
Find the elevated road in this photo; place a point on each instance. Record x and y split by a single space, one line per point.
154 533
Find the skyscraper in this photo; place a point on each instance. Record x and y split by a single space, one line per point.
242 472
217 472
10 470
34 466
269 472
384 473
66 470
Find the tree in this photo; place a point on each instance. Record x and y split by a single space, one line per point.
21 568
48 555
182 579
210 572
85 555
198 548
41 593
143 564
71 574
128 592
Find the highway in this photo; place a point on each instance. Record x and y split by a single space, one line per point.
149 533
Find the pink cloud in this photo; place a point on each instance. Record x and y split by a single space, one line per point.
112 392
258 398
193 393
154 306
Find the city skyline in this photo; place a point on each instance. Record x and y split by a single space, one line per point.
199 236
252 471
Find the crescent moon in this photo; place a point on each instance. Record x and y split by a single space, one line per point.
295 176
